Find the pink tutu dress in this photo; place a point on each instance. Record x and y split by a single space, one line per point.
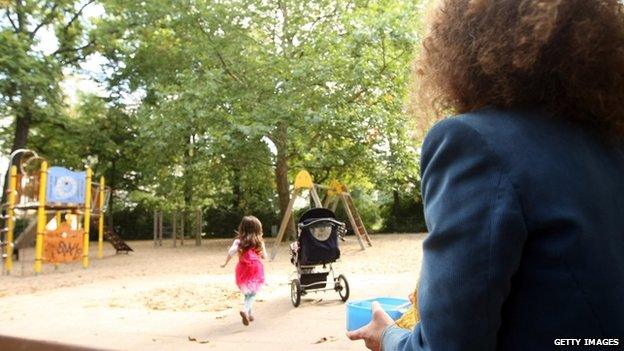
249 271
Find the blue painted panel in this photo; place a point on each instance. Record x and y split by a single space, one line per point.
65 186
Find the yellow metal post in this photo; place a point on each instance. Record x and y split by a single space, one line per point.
101 220
87 219
11 219
41 216
57 219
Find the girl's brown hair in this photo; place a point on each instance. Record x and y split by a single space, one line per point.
566 56
250 234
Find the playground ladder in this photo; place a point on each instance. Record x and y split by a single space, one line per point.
4 240
356 220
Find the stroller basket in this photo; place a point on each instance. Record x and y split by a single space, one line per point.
314 280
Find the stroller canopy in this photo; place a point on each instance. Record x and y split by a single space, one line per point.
318 238
316 213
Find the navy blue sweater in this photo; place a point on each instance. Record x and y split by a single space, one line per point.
526 235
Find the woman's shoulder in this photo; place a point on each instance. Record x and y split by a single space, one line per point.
506 134
489 138
491 124
461 132
523 144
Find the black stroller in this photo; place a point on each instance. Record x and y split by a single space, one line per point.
313 254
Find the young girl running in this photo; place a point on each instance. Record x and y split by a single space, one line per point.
249 271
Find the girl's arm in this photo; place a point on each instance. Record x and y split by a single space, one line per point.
263 254
227 259
231 252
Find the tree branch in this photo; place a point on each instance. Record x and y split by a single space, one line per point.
325 16
221 59
226 69
76 15
47 20
76 59
403 52
66 49
328 15
8 15
356 95
57 124
21 20
286 38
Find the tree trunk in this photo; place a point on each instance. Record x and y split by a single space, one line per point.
112 184
188 178
396 203
236 187
395 219
281 176
20 139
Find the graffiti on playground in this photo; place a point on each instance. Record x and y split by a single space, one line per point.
63 244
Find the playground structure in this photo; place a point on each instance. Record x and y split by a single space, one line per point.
60 205
336 193
178 220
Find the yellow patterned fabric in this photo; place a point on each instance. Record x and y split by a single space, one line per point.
409 319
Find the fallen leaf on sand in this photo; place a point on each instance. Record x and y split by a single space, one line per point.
198 341
326 339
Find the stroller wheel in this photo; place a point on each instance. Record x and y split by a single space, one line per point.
295 292
342 287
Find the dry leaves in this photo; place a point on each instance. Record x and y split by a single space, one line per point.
190 338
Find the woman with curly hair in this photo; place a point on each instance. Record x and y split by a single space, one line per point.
524 188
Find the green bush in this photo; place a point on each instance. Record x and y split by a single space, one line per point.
387 214
404 214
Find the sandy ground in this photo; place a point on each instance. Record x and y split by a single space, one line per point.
165 298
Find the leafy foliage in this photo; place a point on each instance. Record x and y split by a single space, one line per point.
233 98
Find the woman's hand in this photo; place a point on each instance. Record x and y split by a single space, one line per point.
371 333
223 265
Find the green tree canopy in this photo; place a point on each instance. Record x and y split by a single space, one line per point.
218 104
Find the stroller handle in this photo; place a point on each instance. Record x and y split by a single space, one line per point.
333 221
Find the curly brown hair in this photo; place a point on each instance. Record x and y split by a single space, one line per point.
566 56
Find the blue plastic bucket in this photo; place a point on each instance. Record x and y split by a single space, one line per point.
359 313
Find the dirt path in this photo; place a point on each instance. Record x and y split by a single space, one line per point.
178 299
